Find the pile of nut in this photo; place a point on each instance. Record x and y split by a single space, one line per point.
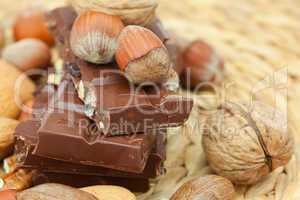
241 146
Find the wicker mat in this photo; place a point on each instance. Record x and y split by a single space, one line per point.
260 42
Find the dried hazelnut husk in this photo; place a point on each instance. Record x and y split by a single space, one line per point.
244 144
132 12
94 36
27 54
144 58
210 187
31 23
201 64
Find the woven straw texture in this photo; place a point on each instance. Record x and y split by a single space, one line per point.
259 40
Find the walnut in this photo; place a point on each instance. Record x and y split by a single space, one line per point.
137 12
244 145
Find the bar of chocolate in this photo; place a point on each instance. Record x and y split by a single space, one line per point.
27 138
132 184
111 100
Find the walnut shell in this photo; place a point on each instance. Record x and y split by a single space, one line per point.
132 12
15 89
245 145
210 187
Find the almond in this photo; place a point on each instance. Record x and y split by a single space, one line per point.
31 23
109 192
210 187
7 128
94 36
15 89
52 191
27 54
143 57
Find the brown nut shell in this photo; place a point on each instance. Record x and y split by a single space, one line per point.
142 56
210 187
94 36
27 54
201 64
31 23
245 145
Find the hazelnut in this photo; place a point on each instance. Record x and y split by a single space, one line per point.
31 23
132 12
245 145
16 88
7 128
201 64
27 54
94 36
143 57
210 187
8 195
26 114
108 192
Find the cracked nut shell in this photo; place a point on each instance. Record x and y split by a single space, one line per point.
245 145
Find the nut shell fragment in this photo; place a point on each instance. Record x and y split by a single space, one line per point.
210 187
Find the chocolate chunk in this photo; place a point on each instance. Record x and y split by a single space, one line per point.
27 139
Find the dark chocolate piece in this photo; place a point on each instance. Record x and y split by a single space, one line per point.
26 134
132 184
110 100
